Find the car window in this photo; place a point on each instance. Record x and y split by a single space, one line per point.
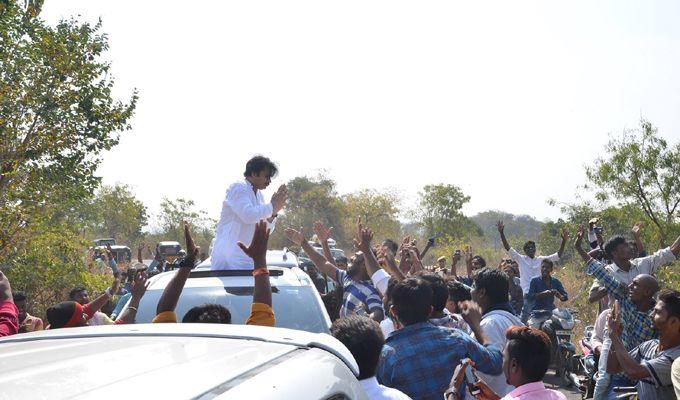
295 307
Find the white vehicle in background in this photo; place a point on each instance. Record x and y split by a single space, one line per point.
177 361
296 302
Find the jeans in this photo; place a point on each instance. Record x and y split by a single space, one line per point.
603 380
526 309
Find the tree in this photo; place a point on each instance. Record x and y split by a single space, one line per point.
378 210
311 199
57 114
173 212
116 212
440 212
641 169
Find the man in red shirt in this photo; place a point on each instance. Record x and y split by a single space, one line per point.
9 321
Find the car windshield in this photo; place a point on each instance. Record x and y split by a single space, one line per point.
295 307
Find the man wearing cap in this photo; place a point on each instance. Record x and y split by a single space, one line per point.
529 264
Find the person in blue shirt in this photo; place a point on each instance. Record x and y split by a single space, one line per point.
543 289
417 358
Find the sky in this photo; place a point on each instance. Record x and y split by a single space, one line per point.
507 100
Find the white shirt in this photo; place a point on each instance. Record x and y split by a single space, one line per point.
387 326
242 208
645 265
380 280
376 391
529 268
494 325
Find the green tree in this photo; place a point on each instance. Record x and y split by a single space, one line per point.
378 210
50 263
57 114
115 212
440 212
640 168
311 199
173 212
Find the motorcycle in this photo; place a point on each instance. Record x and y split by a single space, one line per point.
558 325
588 364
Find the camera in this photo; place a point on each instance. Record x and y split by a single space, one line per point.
598 230
458 252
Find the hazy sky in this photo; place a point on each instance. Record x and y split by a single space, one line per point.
508 100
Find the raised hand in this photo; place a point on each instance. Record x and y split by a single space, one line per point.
321 232
614 322
468 254
279 198
139 285
501 226
471 312
636 229
115 284
192 249
364 240
5 288
579 236
565 234
258 246
297 237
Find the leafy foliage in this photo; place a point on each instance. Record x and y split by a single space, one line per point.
641 169
57 114
440 212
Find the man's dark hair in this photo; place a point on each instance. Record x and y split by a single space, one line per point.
363 338
457 291
440 293
480 260
74 292
258 164
529 243
60 314
342 260
531 348
412 299
19 295
495 283
391 244
548 262
671 302
208 314
612 244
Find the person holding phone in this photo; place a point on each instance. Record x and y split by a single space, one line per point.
525 362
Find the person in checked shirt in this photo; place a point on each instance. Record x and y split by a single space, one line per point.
418 357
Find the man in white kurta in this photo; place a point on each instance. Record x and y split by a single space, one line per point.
242 208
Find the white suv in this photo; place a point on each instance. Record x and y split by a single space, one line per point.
177 361
296 302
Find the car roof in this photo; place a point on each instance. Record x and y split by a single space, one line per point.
204 277
168 243
281 258
95 360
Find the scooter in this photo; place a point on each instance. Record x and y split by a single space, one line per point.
558 325
588 364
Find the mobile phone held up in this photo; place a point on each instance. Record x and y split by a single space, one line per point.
470 380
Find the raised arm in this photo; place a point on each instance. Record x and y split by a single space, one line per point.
298 237
95 305
262 292
565 238
468 261
170 296
140 248
323 234
619 359
238 199
501 229
363 242
428 246
578 245
675 247
139 286
638 241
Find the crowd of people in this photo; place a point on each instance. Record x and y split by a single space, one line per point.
423 332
